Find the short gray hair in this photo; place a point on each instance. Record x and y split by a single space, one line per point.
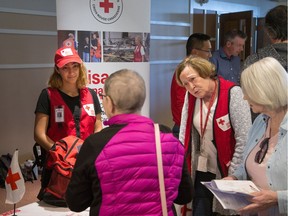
127 90
265 83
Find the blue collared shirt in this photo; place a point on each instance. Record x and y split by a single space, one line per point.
277 165
228 68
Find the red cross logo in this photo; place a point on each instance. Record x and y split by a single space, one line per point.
87 108
12 178
221 122
106 5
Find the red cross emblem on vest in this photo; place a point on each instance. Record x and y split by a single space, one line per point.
87 107
223 122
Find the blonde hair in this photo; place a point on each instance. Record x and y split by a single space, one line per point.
127 90
205 68
265 83
55 80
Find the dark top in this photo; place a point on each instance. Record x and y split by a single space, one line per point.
43 103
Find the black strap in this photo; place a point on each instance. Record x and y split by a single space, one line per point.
76 115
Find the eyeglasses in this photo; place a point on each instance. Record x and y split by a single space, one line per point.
207 51
102 95
260 155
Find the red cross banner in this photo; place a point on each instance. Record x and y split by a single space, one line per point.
15 187
108 35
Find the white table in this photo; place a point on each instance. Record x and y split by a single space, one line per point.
43 209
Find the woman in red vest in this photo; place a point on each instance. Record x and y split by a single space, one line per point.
67 106
139 52
214 125
95 51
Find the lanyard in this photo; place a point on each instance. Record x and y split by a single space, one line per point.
203 129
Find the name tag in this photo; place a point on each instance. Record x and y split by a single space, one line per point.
202 164
59 114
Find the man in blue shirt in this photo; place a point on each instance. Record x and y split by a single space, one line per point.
226 59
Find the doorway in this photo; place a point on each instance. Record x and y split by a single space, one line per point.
242 21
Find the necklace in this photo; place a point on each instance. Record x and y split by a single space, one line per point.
203 129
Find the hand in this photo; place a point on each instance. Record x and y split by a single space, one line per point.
229 178
261 200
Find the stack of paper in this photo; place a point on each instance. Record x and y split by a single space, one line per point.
232 194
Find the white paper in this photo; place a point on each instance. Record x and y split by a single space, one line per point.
232 194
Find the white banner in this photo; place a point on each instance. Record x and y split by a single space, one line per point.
109 35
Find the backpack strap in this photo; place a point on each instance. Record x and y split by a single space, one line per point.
160 170
40 157
76 116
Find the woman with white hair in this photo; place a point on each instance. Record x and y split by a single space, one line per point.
264 86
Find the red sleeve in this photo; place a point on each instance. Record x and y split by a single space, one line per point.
177 94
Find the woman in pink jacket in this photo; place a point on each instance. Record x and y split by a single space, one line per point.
116 169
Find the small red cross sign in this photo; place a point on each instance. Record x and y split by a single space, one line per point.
87 108
106 5
221 122
12 178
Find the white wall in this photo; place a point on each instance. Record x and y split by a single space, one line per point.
28 39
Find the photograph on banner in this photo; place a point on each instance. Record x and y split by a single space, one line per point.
88 44
95 51
126 47
67 38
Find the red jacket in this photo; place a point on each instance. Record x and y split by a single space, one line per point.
177 94
223 139
59 130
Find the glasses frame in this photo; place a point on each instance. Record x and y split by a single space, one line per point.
207 51
102 95
260 155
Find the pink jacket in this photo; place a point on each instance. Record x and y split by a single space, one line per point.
122 172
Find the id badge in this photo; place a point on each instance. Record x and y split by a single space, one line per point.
59 114
202 164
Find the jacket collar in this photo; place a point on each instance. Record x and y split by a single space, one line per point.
127 118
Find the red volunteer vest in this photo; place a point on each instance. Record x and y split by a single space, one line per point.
137 54
59 130
177 96
223 139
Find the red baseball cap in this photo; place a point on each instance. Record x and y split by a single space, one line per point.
65 55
